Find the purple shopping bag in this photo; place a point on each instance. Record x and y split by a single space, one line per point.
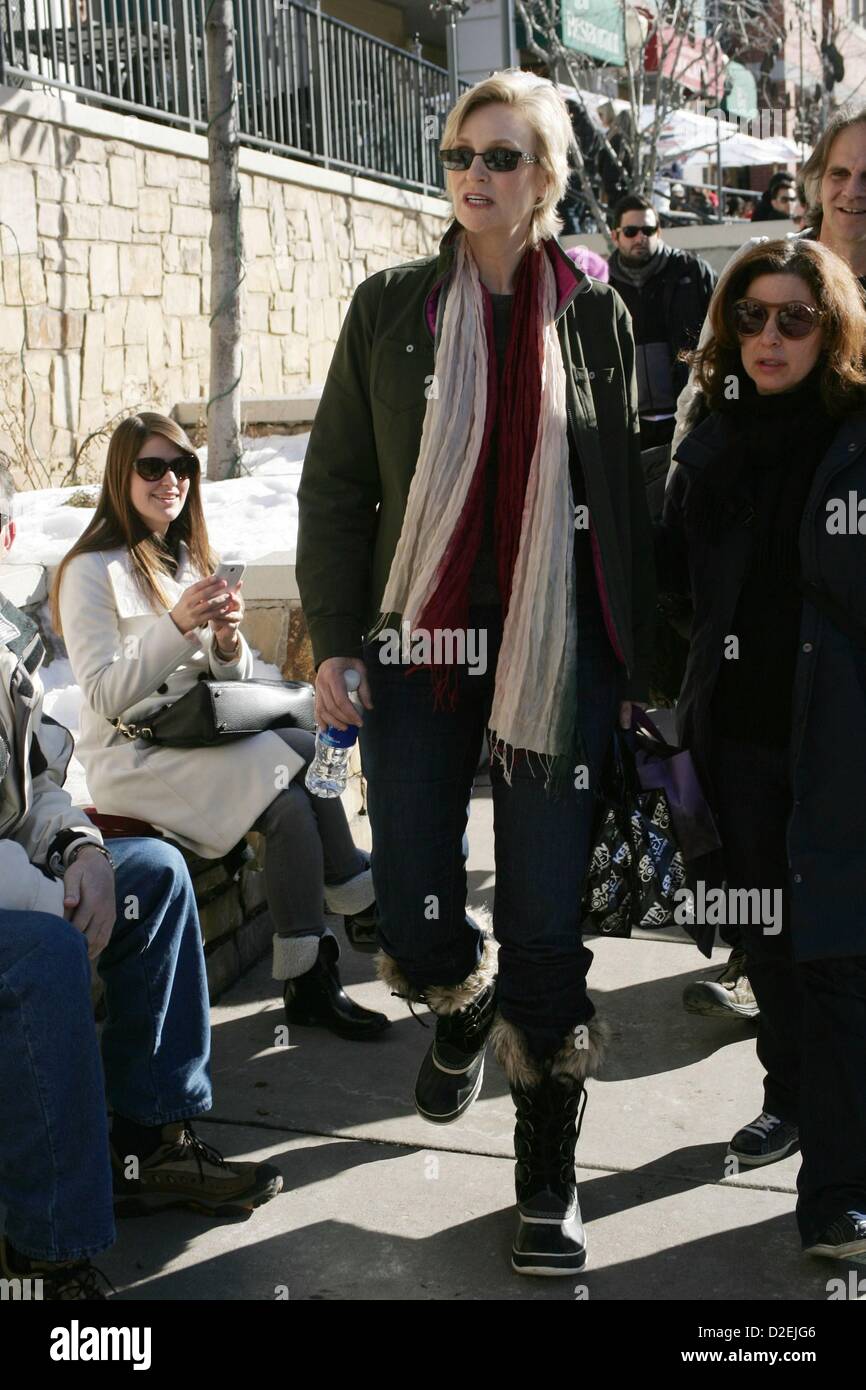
661 765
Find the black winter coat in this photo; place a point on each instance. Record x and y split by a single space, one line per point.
685 287
826 833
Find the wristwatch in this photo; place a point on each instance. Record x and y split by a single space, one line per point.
66 847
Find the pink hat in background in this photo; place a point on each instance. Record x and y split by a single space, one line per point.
590 262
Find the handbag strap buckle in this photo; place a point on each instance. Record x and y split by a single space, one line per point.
133 731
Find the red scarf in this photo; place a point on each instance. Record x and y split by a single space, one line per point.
514 408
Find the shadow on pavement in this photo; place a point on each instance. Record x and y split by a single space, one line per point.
334 1259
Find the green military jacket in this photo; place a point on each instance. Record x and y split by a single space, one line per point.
367 433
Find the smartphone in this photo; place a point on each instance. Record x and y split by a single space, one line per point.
231 571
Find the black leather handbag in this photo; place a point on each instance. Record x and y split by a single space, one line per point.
215 712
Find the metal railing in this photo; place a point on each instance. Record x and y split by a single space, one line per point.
309 86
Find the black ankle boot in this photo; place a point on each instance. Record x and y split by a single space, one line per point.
362 930
318 997
550 1237
453 1069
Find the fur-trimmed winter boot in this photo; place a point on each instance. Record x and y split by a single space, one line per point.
549 1098
451 1073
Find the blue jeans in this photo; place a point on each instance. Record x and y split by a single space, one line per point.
55 1173
420 763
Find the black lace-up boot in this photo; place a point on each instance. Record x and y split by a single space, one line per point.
550 1238
451 1073
549 1098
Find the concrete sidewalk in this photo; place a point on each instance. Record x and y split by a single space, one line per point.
379 1205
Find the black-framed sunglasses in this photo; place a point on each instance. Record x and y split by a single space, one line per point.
794 320
153 470
500 161
631 232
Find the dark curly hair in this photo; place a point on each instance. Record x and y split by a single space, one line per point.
840 303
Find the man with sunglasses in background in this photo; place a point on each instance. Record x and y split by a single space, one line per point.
64 903
667 292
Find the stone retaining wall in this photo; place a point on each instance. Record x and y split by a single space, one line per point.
110 295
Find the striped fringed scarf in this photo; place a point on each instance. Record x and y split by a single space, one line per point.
535 692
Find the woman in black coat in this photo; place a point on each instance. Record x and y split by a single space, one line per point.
762 528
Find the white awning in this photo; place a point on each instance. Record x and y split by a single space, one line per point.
692 138
740 151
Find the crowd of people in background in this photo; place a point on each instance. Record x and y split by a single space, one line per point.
609 165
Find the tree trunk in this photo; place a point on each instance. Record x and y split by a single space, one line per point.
226 244
541 14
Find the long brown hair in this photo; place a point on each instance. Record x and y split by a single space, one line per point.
843 322
117 523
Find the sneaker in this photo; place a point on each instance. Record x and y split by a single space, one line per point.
729 993
53 1281
765 1140
185 1172
843 1238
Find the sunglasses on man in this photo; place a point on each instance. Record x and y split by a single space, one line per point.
631 232
501 160
153 470
794 320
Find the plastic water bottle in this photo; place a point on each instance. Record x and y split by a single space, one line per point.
328 773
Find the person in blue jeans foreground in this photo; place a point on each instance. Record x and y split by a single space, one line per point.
64 902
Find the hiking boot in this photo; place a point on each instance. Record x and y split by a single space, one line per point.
844 1238
53 1281
765 1140
185 1172
728 994
318 997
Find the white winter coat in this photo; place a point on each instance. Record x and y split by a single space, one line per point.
129 659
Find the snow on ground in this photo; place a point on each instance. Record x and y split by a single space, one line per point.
247 517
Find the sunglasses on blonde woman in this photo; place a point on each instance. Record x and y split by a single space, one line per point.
500 160
153 470
794 320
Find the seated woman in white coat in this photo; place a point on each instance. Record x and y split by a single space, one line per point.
143 618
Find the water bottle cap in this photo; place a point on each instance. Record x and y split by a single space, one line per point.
340 738
353 679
